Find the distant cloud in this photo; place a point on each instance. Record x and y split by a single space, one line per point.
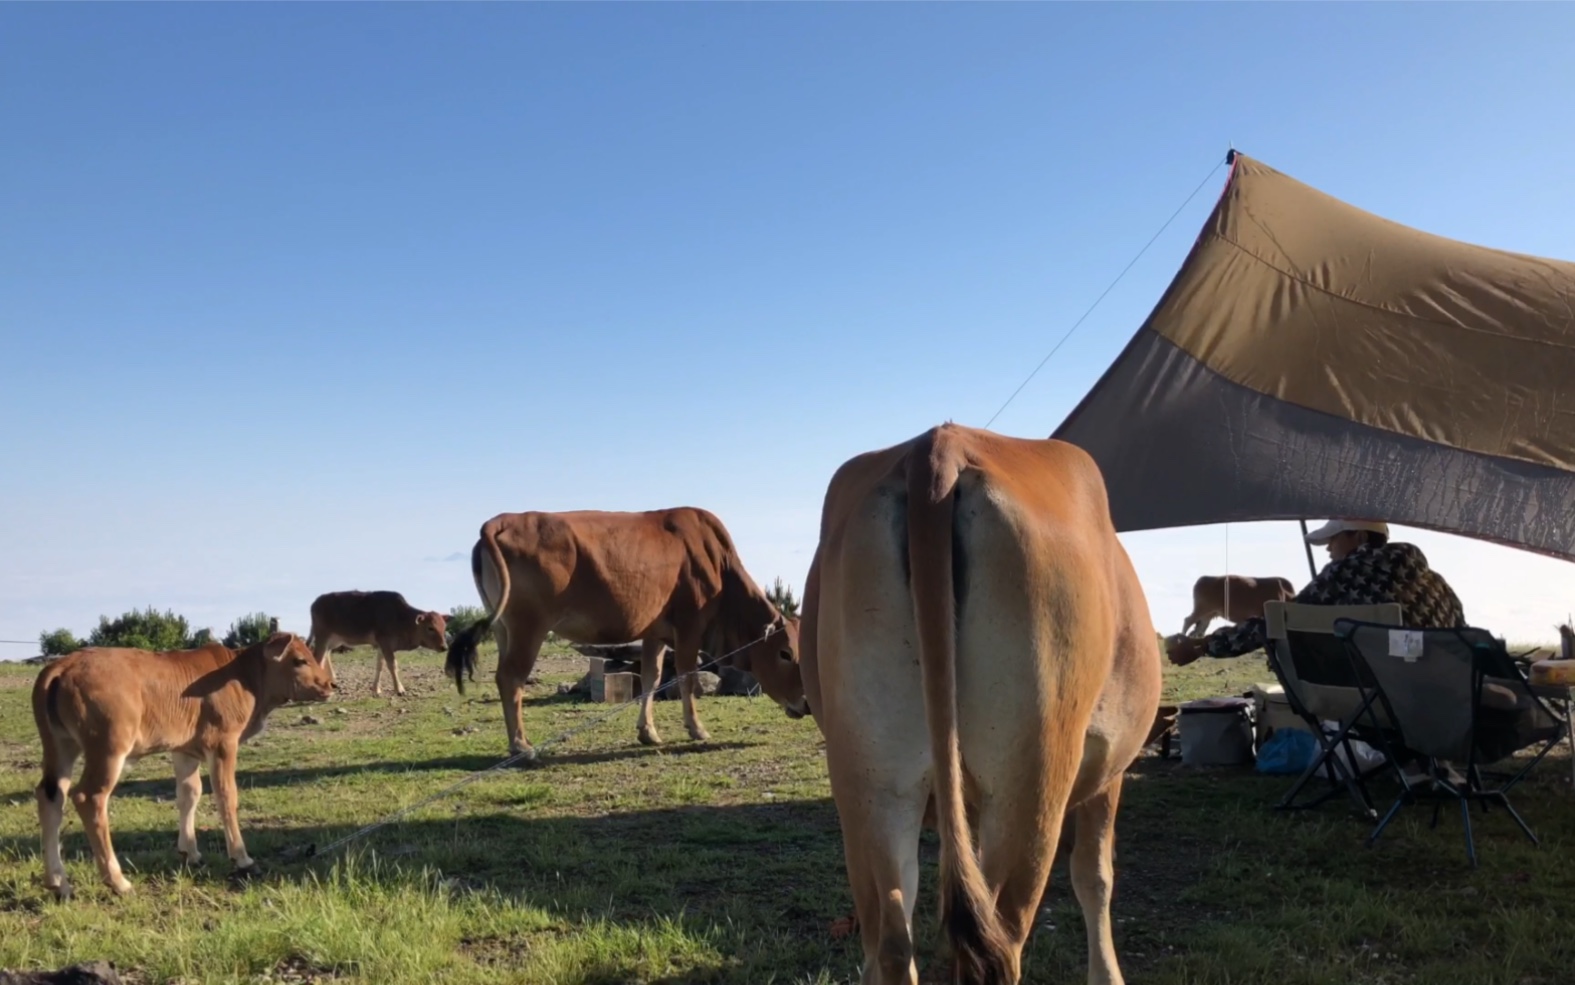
456 556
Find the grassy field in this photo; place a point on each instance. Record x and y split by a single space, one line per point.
613 863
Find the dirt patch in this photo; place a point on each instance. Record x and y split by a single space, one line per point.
510 951
298 970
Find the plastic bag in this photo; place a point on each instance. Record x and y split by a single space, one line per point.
1288 750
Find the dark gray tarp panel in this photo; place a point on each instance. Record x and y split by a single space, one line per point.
1179 445
1313 360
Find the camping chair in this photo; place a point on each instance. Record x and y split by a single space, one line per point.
1451 697
1320 686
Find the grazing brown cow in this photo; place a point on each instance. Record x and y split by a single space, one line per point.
384 620
1246 598
109 705
665 577
977 651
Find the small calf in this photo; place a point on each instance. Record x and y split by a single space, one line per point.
109 705
1247 596
383 619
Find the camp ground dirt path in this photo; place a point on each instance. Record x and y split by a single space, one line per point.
721 862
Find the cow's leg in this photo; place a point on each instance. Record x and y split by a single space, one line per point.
221 771
91 797
1093 879
517 654
1019 831
60 759
386 656
188 791
880 844
686 659
651 652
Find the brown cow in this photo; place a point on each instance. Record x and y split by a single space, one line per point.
664 577
111 705
384 620
1246 598
976 648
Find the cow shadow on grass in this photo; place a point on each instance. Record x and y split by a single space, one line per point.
756 885
162 784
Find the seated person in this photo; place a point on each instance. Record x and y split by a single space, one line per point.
1365 568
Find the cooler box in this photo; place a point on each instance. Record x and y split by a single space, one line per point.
1216 732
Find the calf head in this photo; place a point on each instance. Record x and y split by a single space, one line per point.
432 631
292 673
773 660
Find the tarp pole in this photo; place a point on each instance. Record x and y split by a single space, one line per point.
1311 566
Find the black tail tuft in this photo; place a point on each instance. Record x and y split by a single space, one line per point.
980 950
462 653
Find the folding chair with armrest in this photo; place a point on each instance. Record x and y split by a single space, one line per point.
1312 667
1452 697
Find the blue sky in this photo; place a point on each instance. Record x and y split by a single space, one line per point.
295 297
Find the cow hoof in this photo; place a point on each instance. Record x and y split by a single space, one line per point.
62 892
190 858
699 735
245 873
649 738
528 753
121 888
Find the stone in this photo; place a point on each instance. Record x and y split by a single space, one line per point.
92 973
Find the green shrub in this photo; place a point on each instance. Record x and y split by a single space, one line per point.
248 629
781 596
148 629
462 617
59 643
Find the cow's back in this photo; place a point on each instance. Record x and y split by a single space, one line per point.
156 697
606 576
360 617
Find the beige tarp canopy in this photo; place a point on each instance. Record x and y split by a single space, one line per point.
1311 359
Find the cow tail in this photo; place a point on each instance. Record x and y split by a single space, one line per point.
980 945
46 715
462 652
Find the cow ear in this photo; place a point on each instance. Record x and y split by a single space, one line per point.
277 645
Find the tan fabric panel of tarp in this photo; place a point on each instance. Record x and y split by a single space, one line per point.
1304 298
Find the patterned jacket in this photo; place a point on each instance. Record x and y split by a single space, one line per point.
1368 576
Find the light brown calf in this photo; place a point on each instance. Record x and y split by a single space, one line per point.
111 705
382 619
979 655
665 577
1246 598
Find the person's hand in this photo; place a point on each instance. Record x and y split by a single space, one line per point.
1182 650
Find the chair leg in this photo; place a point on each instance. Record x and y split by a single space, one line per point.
1569 732
1518 819
1465 817
1393 810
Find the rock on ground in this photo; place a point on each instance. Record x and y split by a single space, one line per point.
92 973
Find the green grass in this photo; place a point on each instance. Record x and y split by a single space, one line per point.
722 862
